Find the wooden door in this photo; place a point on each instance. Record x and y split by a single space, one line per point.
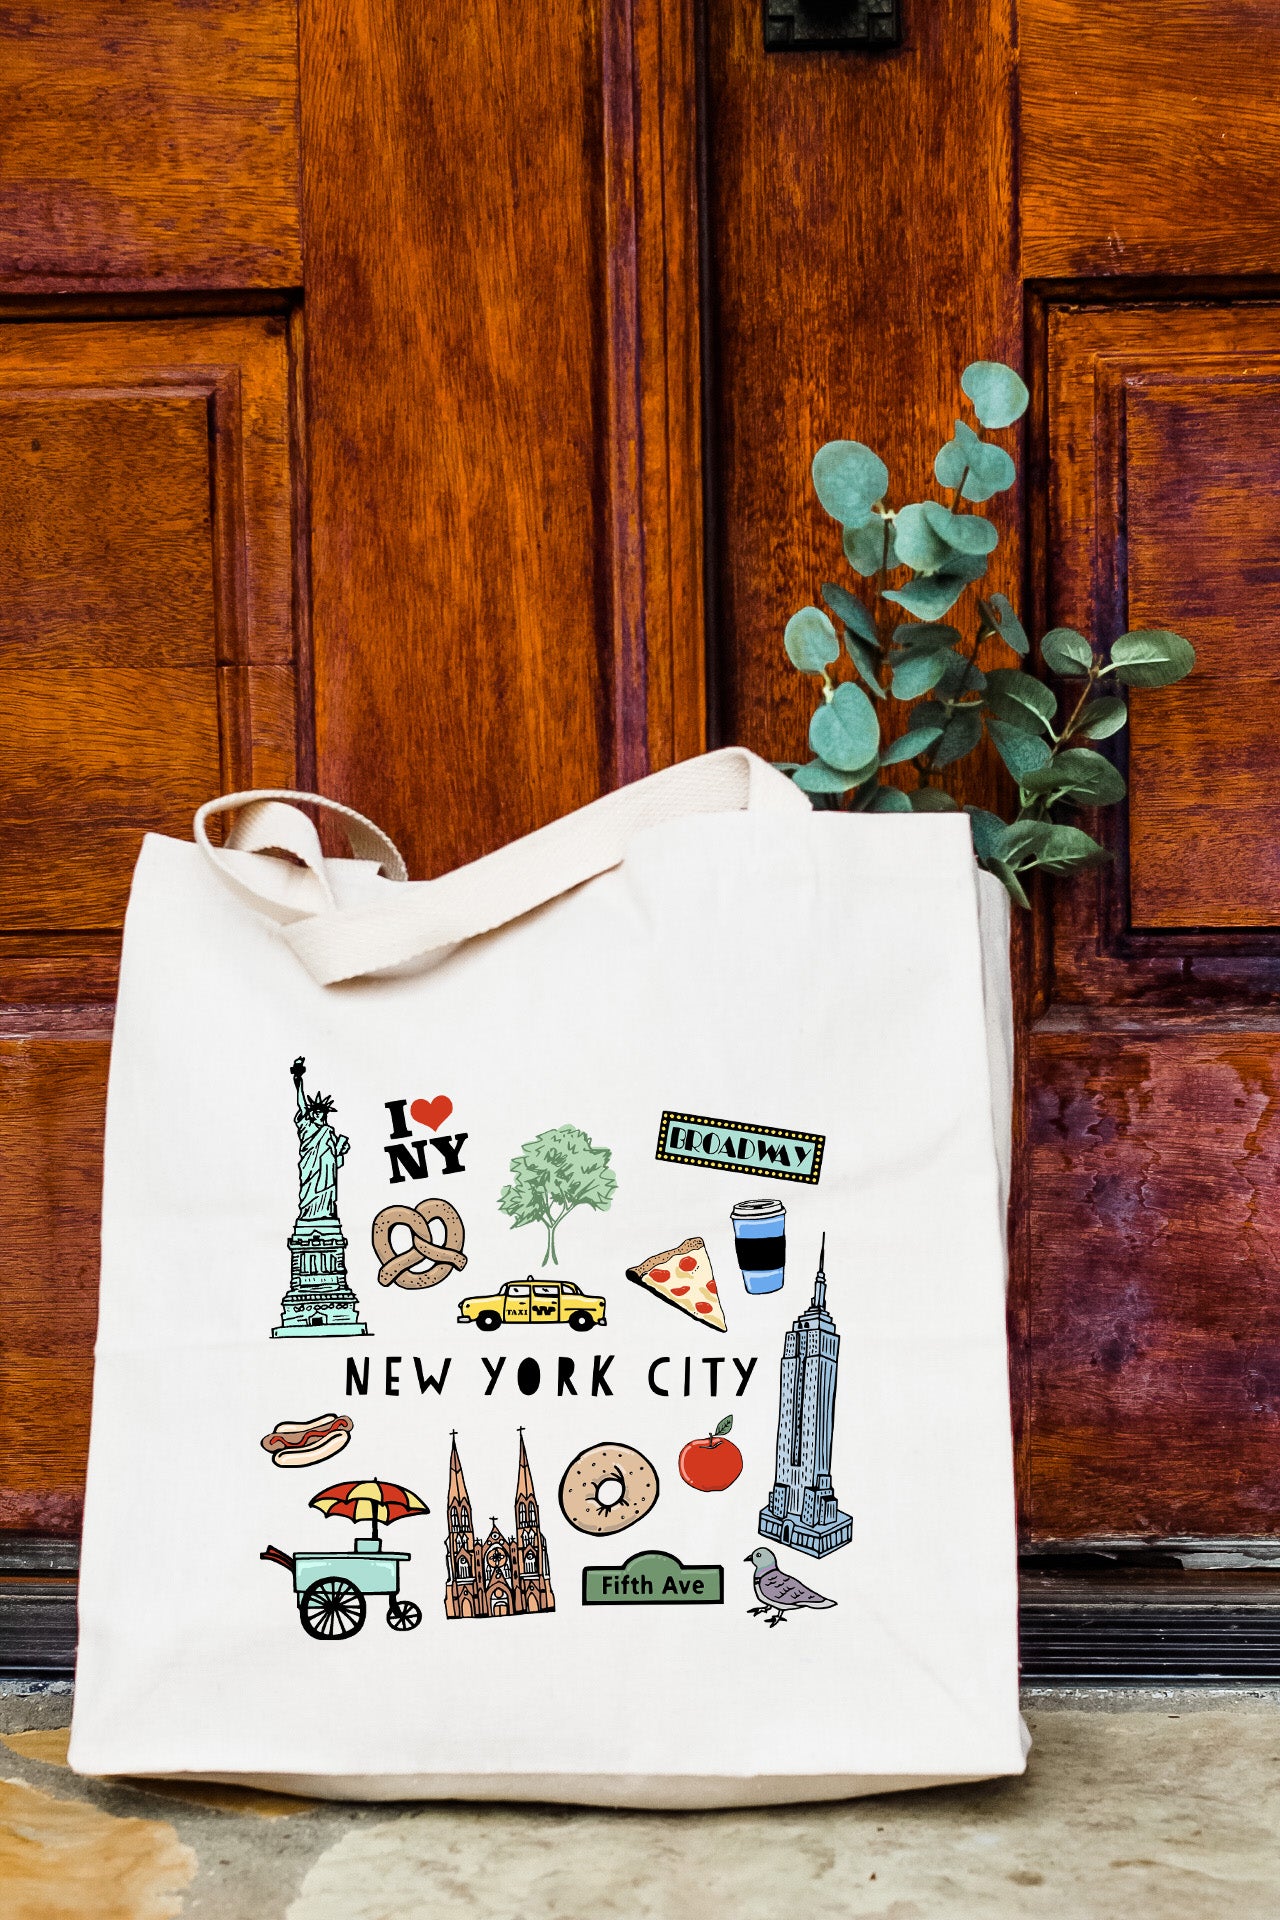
420 405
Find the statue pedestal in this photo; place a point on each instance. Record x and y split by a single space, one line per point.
319 1302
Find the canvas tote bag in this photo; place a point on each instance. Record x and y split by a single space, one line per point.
552 1325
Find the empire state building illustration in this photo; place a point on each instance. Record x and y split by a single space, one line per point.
319 1301
802 1510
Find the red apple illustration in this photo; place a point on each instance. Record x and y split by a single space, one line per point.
712 1464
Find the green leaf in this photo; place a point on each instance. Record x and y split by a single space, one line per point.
960 676
931 800
1152 657
1005 684
867 660
962 532
864 546
918 672
937 593
915 740
1066 652
1022 752
1006 622
918 544
1042 843
724 1426
849 479
818 777
960 736
845 731
1006 875
889 800
1078 774
847 607
998 394
810 640
988 832
784 766
1100 719
930 713
989 469
926 635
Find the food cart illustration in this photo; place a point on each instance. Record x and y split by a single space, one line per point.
332 1587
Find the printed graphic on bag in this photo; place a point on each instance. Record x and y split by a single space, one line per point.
404 1268
739 1146
333 1588
319 1300
406 1157
652 1580
682 1277
712 1462
504 1574
780 1593
530 1302
760 1242
305 1443
555 1173
802 1511
607 1488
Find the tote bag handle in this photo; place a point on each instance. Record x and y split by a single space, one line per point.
336 944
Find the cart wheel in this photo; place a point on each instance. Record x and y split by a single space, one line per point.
403 1615
332 1609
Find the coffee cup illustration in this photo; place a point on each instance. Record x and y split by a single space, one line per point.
760 1237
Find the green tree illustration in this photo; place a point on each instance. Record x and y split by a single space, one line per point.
555 1173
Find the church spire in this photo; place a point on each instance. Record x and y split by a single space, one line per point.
524 1478
820 1279
457 1485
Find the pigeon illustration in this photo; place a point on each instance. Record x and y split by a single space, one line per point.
778 1592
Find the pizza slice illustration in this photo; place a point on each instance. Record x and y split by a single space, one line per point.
682 1277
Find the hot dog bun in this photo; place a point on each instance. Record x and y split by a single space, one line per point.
302 1443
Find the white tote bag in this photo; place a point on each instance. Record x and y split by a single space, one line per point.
552 1328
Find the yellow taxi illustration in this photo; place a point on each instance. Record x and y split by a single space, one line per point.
524 1302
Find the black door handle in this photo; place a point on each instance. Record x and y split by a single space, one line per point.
809 26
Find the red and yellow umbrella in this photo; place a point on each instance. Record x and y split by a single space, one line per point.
380 1501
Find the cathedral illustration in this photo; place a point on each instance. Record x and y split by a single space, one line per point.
802 1510
493 1578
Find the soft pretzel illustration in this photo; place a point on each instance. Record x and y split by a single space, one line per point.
447 1257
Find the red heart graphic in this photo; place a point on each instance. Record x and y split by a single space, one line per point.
432 1114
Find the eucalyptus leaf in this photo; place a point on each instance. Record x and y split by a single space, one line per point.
988 832
845 731
918 672
847 607
926 635
935 594
960 676
998 394
915 740
1010 683
1066 652
810 640
1006 622
849 478
865 547
1100 718
1068 847
784 766
1152 657
866 793
817 777
985 469
930 713
1008 879
960 736
867 660
889 800
962 532
1022 752
1080 775
918 544
931 800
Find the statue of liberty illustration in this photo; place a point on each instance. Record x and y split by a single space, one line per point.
319 1301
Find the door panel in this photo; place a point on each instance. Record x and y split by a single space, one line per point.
149 146
146 661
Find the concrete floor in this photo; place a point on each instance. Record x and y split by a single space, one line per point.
1141 1806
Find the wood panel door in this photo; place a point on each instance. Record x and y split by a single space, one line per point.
421 406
